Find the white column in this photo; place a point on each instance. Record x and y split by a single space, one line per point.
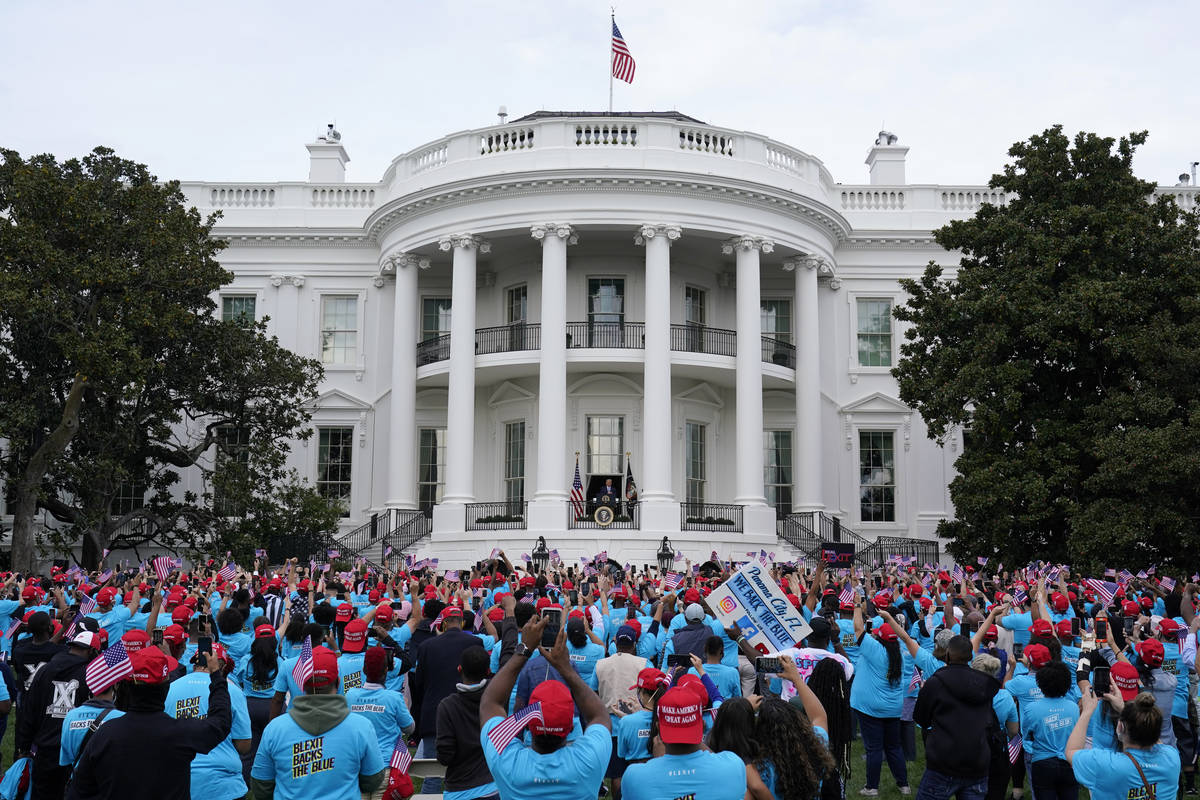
552 478
460 407
402 432
807 446
655 469
748 484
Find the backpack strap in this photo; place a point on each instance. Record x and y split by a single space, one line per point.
94 726
1142 775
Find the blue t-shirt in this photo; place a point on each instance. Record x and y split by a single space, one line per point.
573 772
250 686
1110 775
350 671
584 659
1102 734
217 773
727 679
284 682
326 765
113 621
75 727
238 644
1046 725
1173 665
386 711
633 736
1005 708
871 693
701 775
848 639
1019 624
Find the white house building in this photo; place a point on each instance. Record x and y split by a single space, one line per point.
703 307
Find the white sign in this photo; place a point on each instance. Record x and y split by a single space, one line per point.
753 601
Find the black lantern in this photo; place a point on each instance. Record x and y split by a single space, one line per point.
666 556
540 555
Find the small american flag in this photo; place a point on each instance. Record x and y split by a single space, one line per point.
227 572
452 575
105 553
917 680
713 556
576 493
1105 590
387 551
678 556
847 594
1110 573
302 672
623 64
672 580
957 574
71 628
87 605
555 558
12 629
502 735
1014 749
1019 596
1142 574
602 555
981 561
103 577
401 759
334 553
1167 584
163 566
1125 575
260 553
107 668
525 557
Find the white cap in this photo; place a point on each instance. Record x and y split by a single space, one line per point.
693 611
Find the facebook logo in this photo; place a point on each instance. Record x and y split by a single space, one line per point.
747 626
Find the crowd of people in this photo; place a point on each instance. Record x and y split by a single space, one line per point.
318 681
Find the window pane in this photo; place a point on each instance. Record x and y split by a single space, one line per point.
339 329
237 307
435 317
777 319
514 462
693 305
875 333
777 470
233 453
518 304
695 472
431 469
606 299
606 445
877 476
335 450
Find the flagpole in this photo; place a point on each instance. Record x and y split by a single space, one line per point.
611 57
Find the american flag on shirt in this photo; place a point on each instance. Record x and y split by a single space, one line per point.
107 668
576 492
1014 749
623 64
302 672
227 572
502 735
401 758
672 580
1105 590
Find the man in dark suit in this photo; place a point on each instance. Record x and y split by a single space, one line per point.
607 491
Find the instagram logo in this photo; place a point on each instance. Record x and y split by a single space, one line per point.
728 605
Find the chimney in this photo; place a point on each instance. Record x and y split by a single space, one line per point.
327 158
886 160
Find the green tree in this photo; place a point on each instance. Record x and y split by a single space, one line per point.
1068 345
115 372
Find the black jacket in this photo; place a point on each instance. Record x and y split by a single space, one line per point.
955 710
692 638
58 687
458 744
28 657
436 675
145 748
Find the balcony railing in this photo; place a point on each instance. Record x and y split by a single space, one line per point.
691 338
775 351
508 338
710 517
431 351
623 335
509 515
627 516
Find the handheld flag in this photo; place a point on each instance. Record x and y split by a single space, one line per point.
1014 749
1105 590
227 572
162 567
502 735
401 758
302 672
672 580
110 666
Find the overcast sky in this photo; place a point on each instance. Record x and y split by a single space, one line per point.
225 90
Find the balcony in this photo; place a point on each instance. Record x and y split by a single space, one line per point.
433 350
710 517
618 335
778 352
690 338
507 516
508 338
627 517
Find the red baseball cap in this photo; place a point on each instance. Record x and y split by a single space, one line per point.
1063 629
174 634
31 593
383 613
679 720
264 631
88 639
542 602
190 601
373 596
1060 602
1151 652
691 596
345 612
528 580
325 667
448 612
1041 627
354 638
1147 601
181 615
558 709
1125 678
1168 626
991 634
925 603
695 686
151 665
1130 608
1038 655
887 632
495 613
651 679
106 596
135 640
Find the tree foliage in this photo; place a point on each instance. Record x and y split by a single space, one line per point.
1068 346
116 372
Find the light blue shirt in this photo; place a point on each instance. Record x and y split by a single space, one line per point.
1110 775
251 687
871 693
584 659
1046 725
385 710
75 727
633 736
1019 624
217 773
325 766
350 671
701 775
573 772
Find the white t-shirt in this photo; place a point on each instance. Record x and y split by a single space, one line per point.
806 659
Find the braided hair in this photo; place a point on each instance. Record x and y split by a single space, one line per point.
787 743
828 682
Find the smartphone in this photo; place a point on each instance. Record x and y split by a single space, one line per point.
1074 626
770 664
868 625
645 569
157 636
678 660
1100 681
967 629
1129 623
1018 650
1101 630
204 644
553 618
574 597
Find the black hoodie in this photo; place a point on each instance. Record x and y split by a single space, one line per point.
955 710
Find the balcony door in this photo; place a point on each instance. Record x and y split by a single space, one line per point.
605 457
694 318
517 311
606 312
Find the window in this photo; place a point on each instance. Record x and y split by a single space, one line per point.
693 305
514 463
339 329
695 462
777 319
874 333
877 476
777 471
130 497
606 300
335 449
237 307
431 474
435 317
518 304
605 445
233 456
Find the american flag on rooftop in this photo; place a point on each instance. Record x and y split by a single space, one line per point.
623 64
502 735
